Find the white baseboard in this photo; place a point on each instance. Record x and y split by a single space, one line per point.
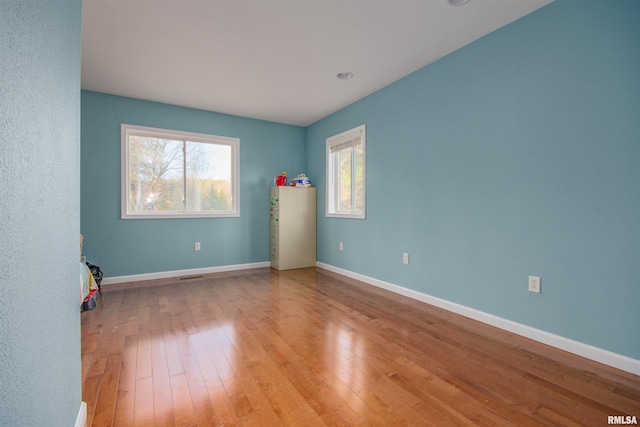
179 273
606 357
81 420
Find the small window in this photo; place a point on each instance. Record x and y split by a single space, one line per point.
346 174
173 174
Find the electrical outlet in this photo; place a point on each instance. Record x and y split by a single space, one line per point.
534 284
405 258
196 246
341 246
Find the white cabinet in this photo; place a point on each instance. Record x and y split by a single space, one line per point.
293 227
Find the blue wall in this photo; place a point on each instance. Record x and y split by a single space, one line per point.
40 382
517 155
128 247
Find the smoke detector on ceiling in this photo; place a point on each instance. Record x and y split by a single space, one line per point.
458 2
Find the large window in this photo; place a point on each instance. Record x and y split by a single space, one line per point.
173 174
346 174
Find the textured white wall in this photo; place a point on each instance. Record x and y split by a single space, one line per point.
39 212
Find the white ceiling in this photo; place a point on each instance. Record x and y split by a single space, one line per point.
273 60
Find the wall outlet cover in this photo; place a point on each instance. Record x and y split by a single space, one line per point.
534 284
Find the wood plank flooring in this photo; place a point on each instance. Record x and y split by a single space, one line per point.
311 348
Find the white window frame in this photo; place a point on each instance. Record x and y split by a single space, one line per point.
346 140
234 143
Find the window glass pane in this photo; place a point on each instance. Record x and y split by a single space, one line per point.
155 174
208 177
359 177
346 174
344 188
174 174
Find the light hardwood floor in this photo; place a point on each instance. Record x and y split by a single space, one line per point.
311 348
